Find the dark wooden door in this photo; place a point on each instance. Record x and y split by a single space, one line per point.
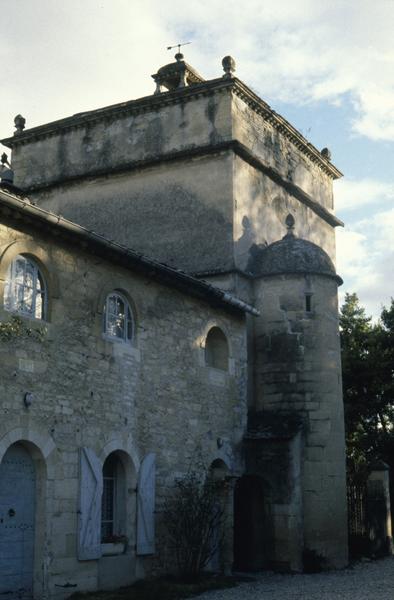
249 525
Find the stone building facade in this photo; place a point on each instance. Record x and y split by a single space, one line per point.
73 395
205 177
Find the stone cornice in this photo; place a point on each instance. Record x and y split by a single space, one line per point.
290 187
155 102
201 151
285 128
115 111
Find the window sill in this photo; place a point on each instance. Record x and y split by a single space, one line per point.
115 339
113 548
217 376
119 348
5 312
28 322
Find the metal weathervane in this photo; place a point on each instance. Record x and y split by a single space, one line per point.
178 46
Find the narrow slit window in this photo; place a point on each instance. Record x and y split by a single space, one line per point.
308 302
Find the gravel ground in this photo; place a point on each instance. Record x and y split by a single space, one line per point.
363 581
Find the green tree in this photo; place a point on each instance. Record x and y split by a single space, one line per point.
368 384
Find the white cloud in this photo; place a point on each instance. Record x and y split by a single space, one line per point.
308 51
351 195
68 57
365 260
84 54
375 119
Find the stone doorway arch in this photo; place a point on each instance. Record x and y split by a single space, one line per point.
18 493
250 524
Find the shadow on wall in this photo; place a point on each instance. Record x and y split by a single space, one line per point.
171 224
244 243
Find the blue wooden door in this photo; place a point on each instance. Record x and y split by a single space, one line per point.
17 511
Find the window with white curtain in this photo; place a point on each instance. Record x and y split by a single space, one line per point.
25 290
118 320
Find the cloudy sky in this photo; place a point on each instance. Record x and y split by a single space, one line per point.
325 65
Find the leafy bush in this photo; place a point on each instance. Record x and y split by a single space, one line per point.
194 516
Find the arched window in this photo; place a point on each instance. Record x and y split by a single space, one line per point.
216 349
25 290
118 320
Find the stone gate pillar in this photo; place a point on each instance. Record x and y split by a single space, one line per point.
379 509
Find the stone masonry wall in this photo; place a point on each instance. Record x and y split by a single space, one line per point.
155 395
260 210
179 213
123 138
277 152
187 212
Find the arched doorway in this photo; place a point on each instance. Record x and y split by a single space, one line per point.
250 535
17 519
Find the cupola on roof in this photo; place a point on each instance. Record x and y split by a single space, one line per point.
291 255
175 75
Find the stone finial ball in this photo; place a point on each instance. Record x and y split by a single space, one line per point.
19 122
228 65
290 221
326 153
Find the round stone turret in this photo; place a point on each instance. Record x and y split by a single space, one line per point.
298 376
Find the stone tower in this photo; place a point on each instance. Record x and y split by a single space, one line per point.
204 176
298 400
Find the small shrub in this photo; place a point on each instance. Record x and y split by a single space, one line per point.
15 328
194 517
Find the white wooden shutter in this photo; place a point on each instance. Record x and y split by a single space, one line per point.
89 509
146 506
